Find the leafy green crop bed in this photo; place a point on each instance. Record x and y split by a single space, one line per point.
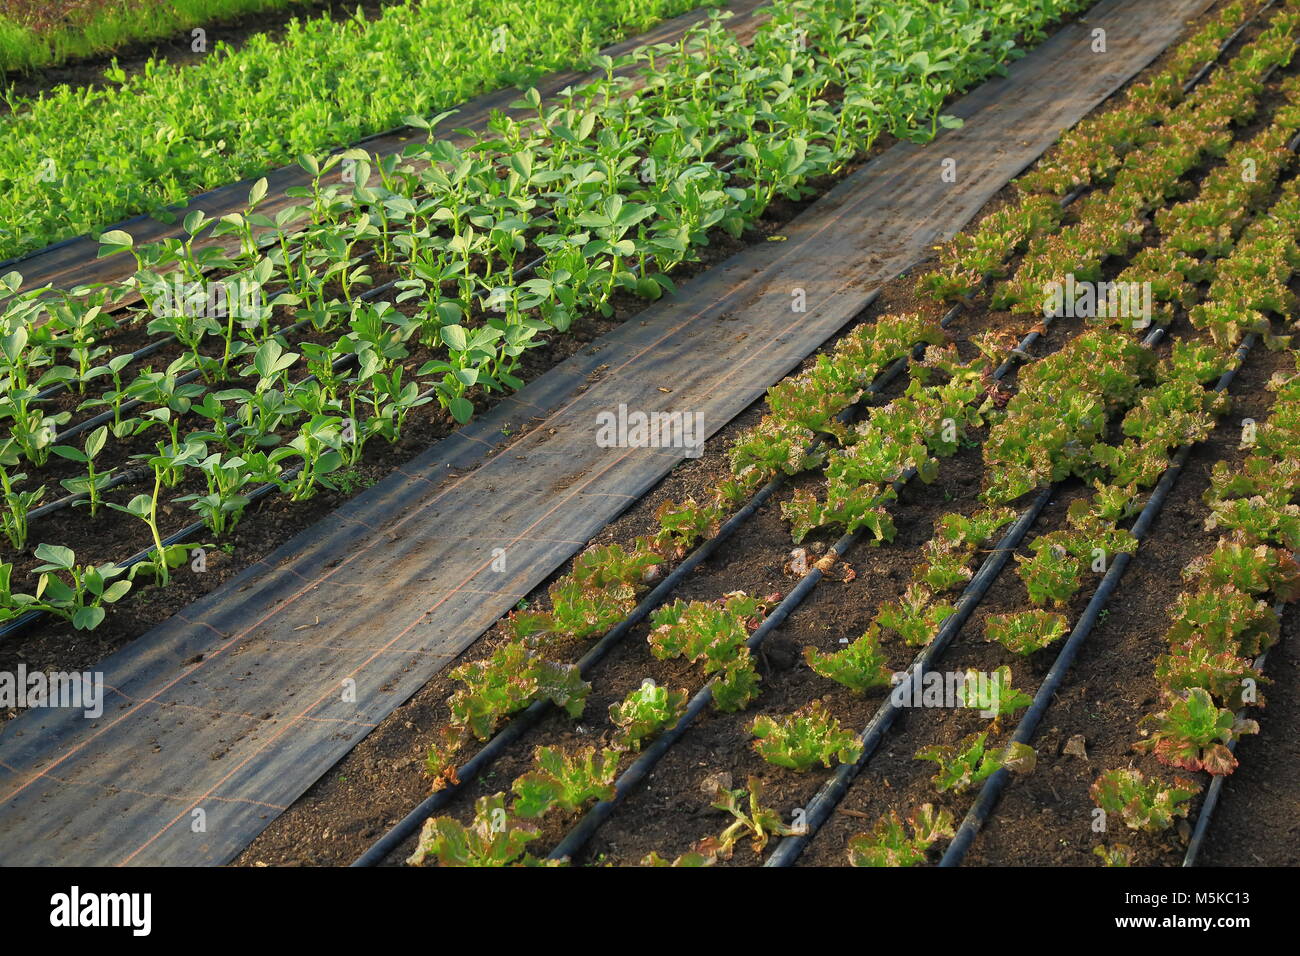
78 159
41 33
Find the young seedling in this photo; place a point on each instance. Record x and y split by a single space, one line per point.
972 761
565 780
81 598
1026 631
805 738
93 481
1192 733
750 818
890 844
493 838
507 682
646 711
17 504
1142 804
860 667
993 696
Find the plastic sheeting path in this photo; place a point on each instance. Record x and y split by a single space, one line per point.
218 719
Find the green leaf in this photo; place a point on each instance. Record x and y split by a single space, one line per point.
57 555
87 618
462 409
114 241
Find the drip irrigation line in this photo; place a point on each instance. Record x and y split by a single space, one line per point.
67 501
837 787
988 795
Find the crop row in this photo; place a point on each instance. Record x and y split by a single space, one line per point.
452 233
1223 620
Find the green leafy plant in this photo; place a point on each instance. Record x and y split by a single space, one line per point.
493 838
750 818
914 617
80 598
809 736
17 504
508 681
890 844
1117 854
647 710
993 695
713 634
1143 804
682 525
1224 620
1026 631
861 666
972 761
1192 733
1256 570
565 780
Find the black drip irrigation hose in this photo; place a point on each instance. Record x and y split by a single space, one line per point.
985 801
834 790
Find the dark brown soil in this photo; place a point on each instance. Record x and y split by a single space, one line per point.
1258 819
